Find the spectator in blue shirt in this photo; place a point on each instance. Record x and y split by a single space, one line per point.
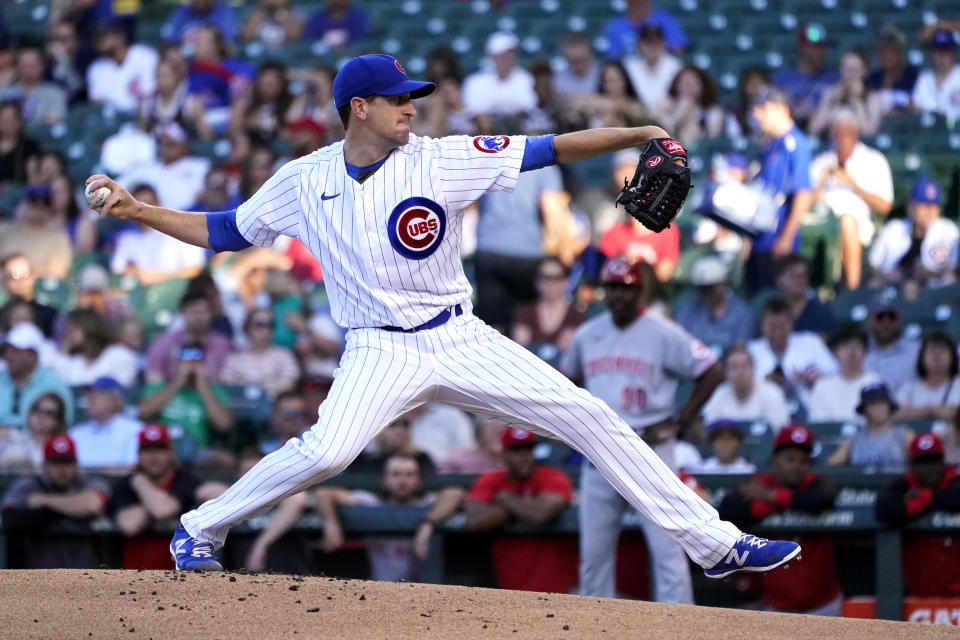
339 25
715 314
183 24
23 381
621 32
806 83
785 174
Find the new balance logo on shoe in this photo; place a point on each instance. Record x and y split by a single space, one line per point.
751 553
735 558
179 544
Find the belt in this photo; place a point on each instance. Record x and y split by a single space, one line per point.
433 323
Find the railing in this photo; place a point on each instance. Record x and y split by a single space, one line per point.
853 514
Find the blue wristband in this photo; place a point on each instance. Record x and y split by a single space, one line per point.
538 153
222 231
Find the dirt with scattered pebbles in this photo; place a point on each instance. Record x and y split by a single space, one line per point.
164 604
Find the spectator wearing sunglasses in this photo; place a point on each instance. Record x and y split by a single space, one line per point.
262 363
21 451
289 418
891 355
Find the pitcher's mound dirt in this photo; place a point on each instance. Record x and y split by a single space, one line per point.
165 604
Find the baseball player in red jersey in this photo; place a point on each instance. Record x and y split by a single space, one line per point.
931 561
634 360
810 586
383 210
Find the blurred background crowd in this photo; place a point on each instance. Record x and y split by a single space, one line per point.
138 373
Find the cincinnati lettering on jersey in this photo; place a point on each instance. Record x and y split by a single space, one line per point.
619 364
491 144
416 227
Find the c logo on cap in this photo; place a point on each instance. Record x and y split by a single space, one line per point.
400 67
416 227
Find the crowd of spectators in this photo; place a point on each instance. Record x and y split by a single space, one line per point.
106 411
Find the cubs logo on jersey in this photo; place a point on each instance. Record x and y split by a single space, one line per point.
491 144
416 227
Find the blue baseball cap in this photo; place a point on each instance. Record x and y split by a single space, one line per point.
106 383
375 74
943 39
926 191
736 160
723 426
873 393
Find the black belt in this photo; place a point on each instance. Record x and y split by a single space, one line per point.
440 318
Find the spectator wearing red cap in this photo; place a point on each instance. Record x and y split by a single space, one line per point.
533 494
931 561
158 491
59 492
809 586
881 444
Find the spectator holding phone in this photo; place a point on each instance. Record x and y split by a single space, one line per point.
181 365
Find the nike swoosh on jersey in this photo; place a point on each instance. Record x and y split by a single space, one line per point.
326 197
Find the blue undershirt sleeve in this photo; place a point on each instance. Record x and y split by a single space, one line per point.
538 153
222 231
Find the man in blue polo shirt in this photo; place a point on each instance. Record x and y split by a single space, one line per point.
621 32
805 83
785 174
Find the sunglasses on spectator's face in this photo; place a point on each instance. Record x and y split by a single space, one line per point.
293 415
551 276
261 324
888 315
50 413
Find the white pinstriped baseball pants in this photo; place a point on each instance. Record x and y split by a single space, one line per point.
467 364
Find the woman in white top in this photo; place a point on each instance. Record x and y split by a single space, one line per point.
935 394
742 397
88 351
834 397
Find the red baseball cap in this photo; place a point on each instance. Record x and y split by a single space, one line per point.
61 448
927 444
794 435
154 435
517 437
620 270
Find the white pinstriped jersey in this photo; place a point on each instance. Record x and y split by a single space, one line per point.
389 246
636 370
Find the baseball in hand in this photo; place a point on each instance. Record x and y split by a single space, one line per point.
98 197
